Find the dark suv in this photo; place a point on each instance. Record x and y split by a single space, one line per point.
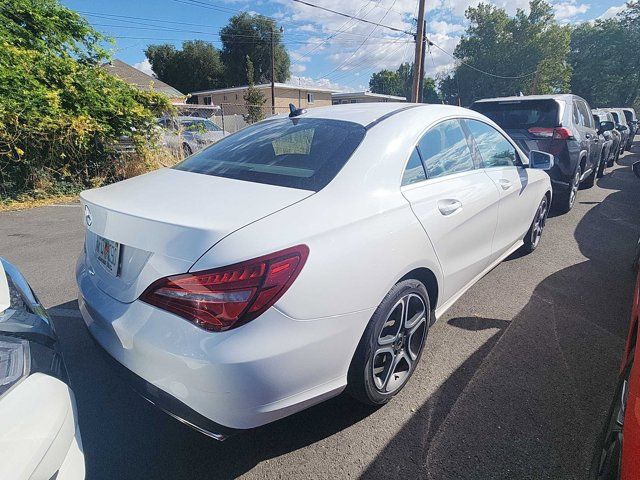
558 124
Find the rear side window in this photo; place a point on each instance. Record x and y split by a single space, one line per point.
520 115
415 170
304 153
585 114
495 150
445 150
628 115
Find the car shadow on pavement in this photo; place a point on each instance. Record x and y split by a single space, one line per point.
526 404
536 394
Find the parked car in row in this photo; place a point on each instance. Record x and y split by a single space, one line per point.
561 125
39 434
222 303
632 122
622 127
610 134
189 134
617 453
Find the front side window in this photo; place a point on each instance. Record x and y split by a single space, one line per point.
305 153
445 150
414 172
495 150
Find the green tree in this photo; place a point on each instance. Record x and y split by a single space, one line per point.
386 82
253 97
60 111
531 48
247 34
399 83
196 67
605 59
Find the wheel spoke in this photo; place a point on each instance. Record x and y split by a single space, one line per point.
400 369
415 338
383 362
393 324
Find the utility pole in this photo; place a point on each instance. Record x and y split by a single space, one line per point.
421 79
418 55
273 73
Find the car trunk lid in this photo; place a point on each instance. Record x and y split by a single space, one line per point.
165 220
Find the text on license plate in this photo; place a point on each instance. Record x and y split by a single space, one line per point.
108 254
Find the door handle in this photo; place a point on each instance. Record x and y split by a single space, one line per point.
449 206
504 183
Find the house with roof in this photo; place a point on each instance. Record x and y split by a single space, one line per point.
232 99
338 98
141 80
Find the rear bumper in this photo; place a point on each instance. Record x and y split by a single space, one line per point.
265 370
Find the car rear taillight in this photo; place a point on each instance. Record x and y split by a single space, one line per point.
559 133
228 297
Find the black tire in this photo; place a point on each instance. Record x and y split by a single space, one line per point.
602 165
564 201
616 155
186 149
396 361
533 236
591 179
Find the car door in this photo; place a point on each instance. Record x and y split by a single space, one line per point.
518 199
588 131
456 203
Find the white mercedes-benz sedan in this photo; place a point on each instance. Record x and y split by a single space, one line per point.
302 256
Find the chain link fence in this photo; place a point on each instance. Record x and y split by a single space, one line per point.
231 117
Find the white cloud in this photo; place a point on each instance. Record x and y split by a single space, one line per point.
612 12
568 9
145 66
322 83
297 68
299 57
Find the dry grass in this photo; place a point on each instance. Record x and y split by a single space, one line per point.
11 205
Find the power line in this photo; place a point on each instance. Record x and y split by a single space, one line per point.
359 46
346 15
505 77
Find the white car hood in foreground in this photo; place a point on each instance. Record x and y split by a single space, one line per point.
165 220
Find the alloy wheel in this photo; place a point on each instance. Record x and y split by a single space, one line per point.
539 222
399 343
574 187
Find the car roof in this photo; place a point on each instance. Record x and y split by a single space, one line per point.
515 98
368 114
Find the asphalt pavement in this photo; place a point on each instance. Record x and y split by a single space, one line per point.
514 383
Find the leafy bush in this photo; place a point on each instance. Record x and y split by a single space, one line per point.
61 113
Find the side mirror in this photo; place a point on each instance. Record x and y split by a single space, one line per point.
541 160
636 168
623 128
607 126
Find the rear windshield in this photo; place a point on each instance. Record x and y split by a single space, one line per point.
304 153
514 115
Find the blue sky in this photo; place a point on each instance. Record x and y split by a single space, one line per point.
326 49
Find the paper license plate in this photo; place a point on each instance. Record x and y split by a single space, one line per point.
108 254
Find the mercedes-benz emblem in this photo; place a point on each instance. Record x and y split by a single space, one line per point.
87 216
